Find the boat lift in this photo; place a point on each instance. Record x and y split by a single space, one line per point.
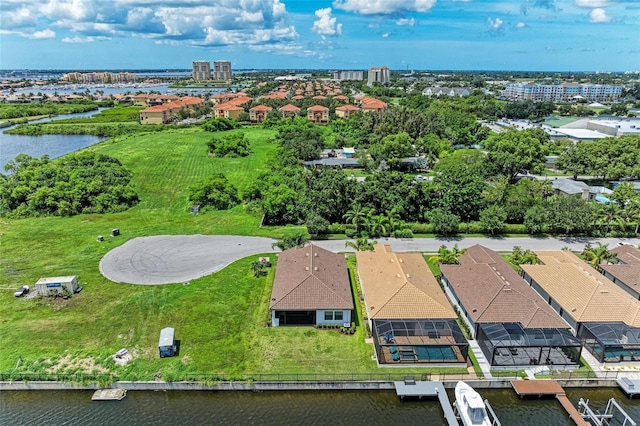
602 419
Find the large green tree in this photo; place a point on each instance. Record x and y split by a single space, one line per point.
517 151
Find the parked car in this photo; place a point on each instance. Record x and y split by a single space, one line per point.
21 291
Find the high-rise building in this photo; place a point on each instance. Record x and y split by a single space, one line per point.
378 75
348 75
201 70
222 70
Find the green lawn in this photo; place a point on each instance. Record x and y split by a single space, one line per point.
219 319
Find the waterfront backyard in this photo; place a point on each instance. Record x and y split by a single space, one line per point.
219 319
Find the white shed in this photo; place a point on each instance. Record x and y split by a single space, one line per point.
56 285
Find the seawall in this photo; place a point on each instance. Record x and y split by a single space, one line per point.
279 386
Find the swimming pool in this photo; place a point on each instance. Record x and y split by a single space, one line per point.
435 353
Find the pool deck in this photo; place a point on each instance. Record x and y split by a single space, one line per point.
427 389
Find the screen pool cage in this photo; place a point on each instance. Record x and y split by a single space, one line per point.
511 345
419 341
611 341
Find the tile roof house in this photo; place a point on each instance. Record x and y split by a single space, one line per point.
318 114
160 114
410 317
289 110
368 104
227 110
495 302
605 317
345 111
625 273
258 113
311 287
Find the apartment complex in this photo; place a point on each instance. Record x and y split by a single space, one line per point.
563 92
378 75
201 70
100 77
222 70
348 75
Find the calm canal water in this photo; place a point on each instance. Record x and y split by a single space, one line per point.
279 408
52 145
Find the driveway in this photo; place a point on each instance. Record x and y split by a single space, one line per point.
166 259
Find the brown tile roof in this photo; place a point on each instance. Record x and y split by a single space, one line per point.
628 254
372 103
400 285
228 106
317 108
628 272
347 107
261 108
289 108
581 291
310 278
491 291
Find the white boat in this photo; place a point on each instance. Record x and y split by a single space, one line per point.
470 406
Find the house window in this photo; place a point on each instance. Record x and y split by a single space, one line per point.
333 315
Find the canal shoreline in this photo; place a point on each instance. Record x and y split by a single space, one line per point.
280 385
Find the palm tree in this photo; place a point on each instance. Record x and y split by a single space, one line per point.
607 214
357 216
634 212
598 254
361 244
448 257
520 257
377 225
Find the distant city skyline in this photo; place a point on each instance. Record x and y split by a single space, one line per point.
524 35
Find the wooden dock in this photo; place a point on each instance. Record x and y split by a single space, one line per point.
426 389
629 386
548 388
109 394
538 388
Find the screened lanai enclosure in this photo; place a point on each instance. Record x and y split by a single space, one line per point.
510 344
611 341
419 341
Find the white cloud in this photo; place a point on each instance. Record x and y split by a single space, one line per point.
592 3
77 39
494 24
39 35
187 22
384 7
406 22
326 24
520 25
74 10
599 16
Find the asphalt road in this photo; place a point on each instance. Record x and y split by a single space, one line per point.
168 259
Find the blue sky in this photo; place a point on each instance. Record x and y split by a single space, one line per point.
546 35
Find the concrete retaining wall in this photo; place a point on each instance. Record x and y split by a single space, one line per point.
278 386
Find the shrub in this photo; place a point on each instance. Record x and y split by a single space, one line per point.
233 145
216 192
403 233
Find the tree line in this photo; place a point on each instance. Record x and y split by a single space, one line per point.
84 182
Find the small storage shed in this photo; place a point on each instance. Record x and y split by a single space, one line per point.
56 285
167 343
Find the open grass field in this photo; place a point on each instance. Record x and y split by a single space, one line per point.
219 319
